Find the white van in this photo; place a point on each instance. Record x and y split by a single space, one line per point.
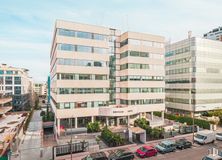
205 136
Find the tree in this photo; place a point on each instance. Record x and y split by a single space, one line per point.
142 123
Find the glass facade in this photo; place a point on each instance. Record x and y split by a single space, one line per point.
141 90
141 101
78 62
82 90
134 66
80 34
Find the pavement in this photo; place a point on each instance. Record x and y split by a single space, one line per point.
30 147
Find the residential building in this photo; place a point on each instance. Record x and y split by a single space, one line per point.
193 75
40 89
16 81
97 73
215 34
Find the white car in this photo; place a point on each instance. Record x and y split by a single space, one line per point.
219 136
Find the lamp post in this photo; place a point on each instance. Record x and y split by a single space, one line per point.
193 122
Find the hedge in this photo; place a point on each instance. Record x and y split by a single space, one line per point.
185 119
111 139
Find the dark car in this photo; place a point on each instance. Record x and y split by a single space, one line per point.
183 143
96 156
121 155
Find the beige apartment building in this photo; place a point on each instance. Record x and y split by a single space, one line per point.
16 81
99 74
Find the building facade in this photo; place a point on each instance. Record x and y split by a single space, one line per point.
215 34
16 81
40 89
97 73
193 75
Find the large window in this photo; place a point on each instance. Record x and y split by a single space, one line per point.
8 80
141 90
141 101
82 90
66 47
17 80
134 66
78 62
9 72
17 90
1 72
84 35
66 32
84 49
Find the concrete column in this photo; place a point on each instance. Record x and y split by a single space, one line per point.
162 115
141 115
107 121
117 121
151 115
76 122
92 119
128 121
58 126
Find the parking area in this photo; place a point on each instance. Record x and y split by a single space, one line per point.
196 152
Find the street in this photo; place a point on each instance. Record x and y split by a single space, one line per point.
31 145
197 152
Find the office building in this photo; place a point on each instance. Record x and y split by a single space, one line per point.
215 34
99 74
193 75
16 81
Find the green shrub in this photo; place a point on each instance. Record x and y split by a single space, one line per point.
93 127
111 139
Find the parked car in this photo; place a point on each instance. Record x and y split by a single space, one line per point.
219 136
205 136
212 157
183 143
146 151
96 156
166 146
121 154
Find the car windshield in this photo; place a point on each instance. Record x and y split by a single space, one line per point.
220 134
180 141
207 158
162 145
143 149
200 136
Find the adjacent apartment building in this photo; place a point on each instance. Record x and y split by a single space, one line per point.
97 73
18 83
193 75
215 34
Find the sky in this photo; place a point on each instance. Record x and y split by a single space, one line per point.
26 26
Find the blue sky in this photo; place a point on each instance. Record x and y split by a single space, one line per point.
26 26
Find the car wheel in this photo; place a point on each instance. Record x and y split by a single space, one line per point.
182 148
155 154
213 141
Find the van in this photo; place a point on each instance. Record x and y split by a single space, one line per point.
204 137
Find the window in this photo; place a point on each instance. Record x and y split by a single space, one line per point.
99 37
66 47
84 49
84 76
8 80
17 90
100 77
17 80
84 35
100 50
66 32
1 72
9 72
